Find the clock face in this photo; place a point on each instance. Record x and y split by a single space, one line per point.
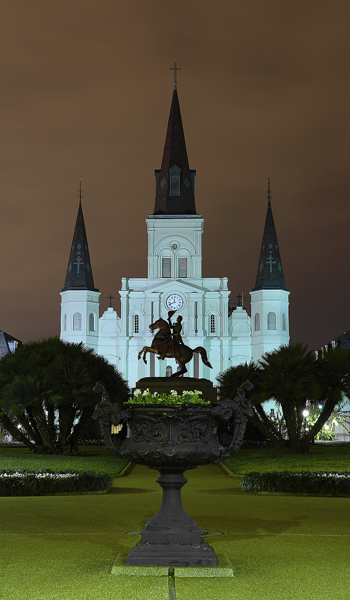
174 302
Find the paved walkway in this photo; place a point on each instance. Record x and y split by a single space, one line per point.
280 547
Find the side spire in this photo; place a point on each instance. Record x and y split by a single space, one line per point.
270 272
175 179
79 273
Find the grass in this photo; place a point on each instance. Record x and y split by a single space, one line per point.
321 458
97 459
280 547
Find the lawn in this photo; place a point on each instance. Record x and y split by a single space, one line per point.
94 458
321 458
280 547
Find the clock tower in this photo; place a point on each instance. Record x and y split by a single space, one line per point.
175 229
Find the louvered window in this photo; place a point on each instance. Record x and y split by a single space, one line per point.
91 322
175 181
77 322
136 324
257 321
284 322
271 320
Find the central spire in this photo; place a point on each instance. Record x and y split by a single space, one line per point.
175 179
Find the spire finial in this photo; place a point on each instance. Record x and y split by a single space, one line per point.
175 68
80 192
268 191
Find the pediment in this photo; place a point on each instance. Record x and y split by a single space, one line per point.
173 285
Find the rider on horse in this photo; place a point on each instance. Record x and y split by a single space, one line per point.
177 339
170 340
171 345
165 338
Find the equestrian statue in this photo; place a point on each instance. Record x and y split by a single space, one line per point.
167 343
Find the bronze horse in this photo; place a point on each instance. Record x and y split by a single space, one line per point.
164 346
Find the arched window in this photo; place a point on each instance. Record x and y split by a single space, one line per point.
136 324
212 323
166 267
257 322
284 322
168 371
92 322
271 320
175 181
182 267
77 322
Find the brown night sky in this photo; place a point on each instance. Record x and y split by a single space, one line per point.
86 92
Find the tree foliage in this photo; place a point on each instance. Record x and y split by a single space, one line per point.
46 393
293 378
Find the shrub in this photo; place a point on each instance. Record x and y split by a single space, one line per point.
37 483
306 482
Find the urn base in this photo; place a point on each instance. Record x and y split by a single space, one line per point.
173 555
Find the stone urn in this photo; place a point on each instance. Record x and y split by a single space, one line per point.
173 439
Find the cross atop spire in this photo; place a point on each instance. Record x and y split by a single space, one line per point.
175 68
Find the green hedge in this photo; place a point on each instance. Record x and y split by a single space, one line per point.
306 482
36 483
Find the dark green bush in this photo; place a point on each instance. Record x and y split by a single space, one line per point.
306 482
37 483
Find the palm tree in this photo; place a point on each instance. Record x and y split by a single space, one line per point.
333 376
288 375
46 388
293 377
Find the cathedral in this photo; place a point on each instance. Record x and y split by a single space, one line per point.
174 282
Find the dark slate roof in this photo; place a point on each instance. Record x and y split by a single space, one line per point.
342 341
270 273
6 343
79 273
175 153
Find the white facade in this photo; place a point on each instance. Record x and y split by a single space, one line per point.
203 306
228 340
80 317
270 321
174 281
